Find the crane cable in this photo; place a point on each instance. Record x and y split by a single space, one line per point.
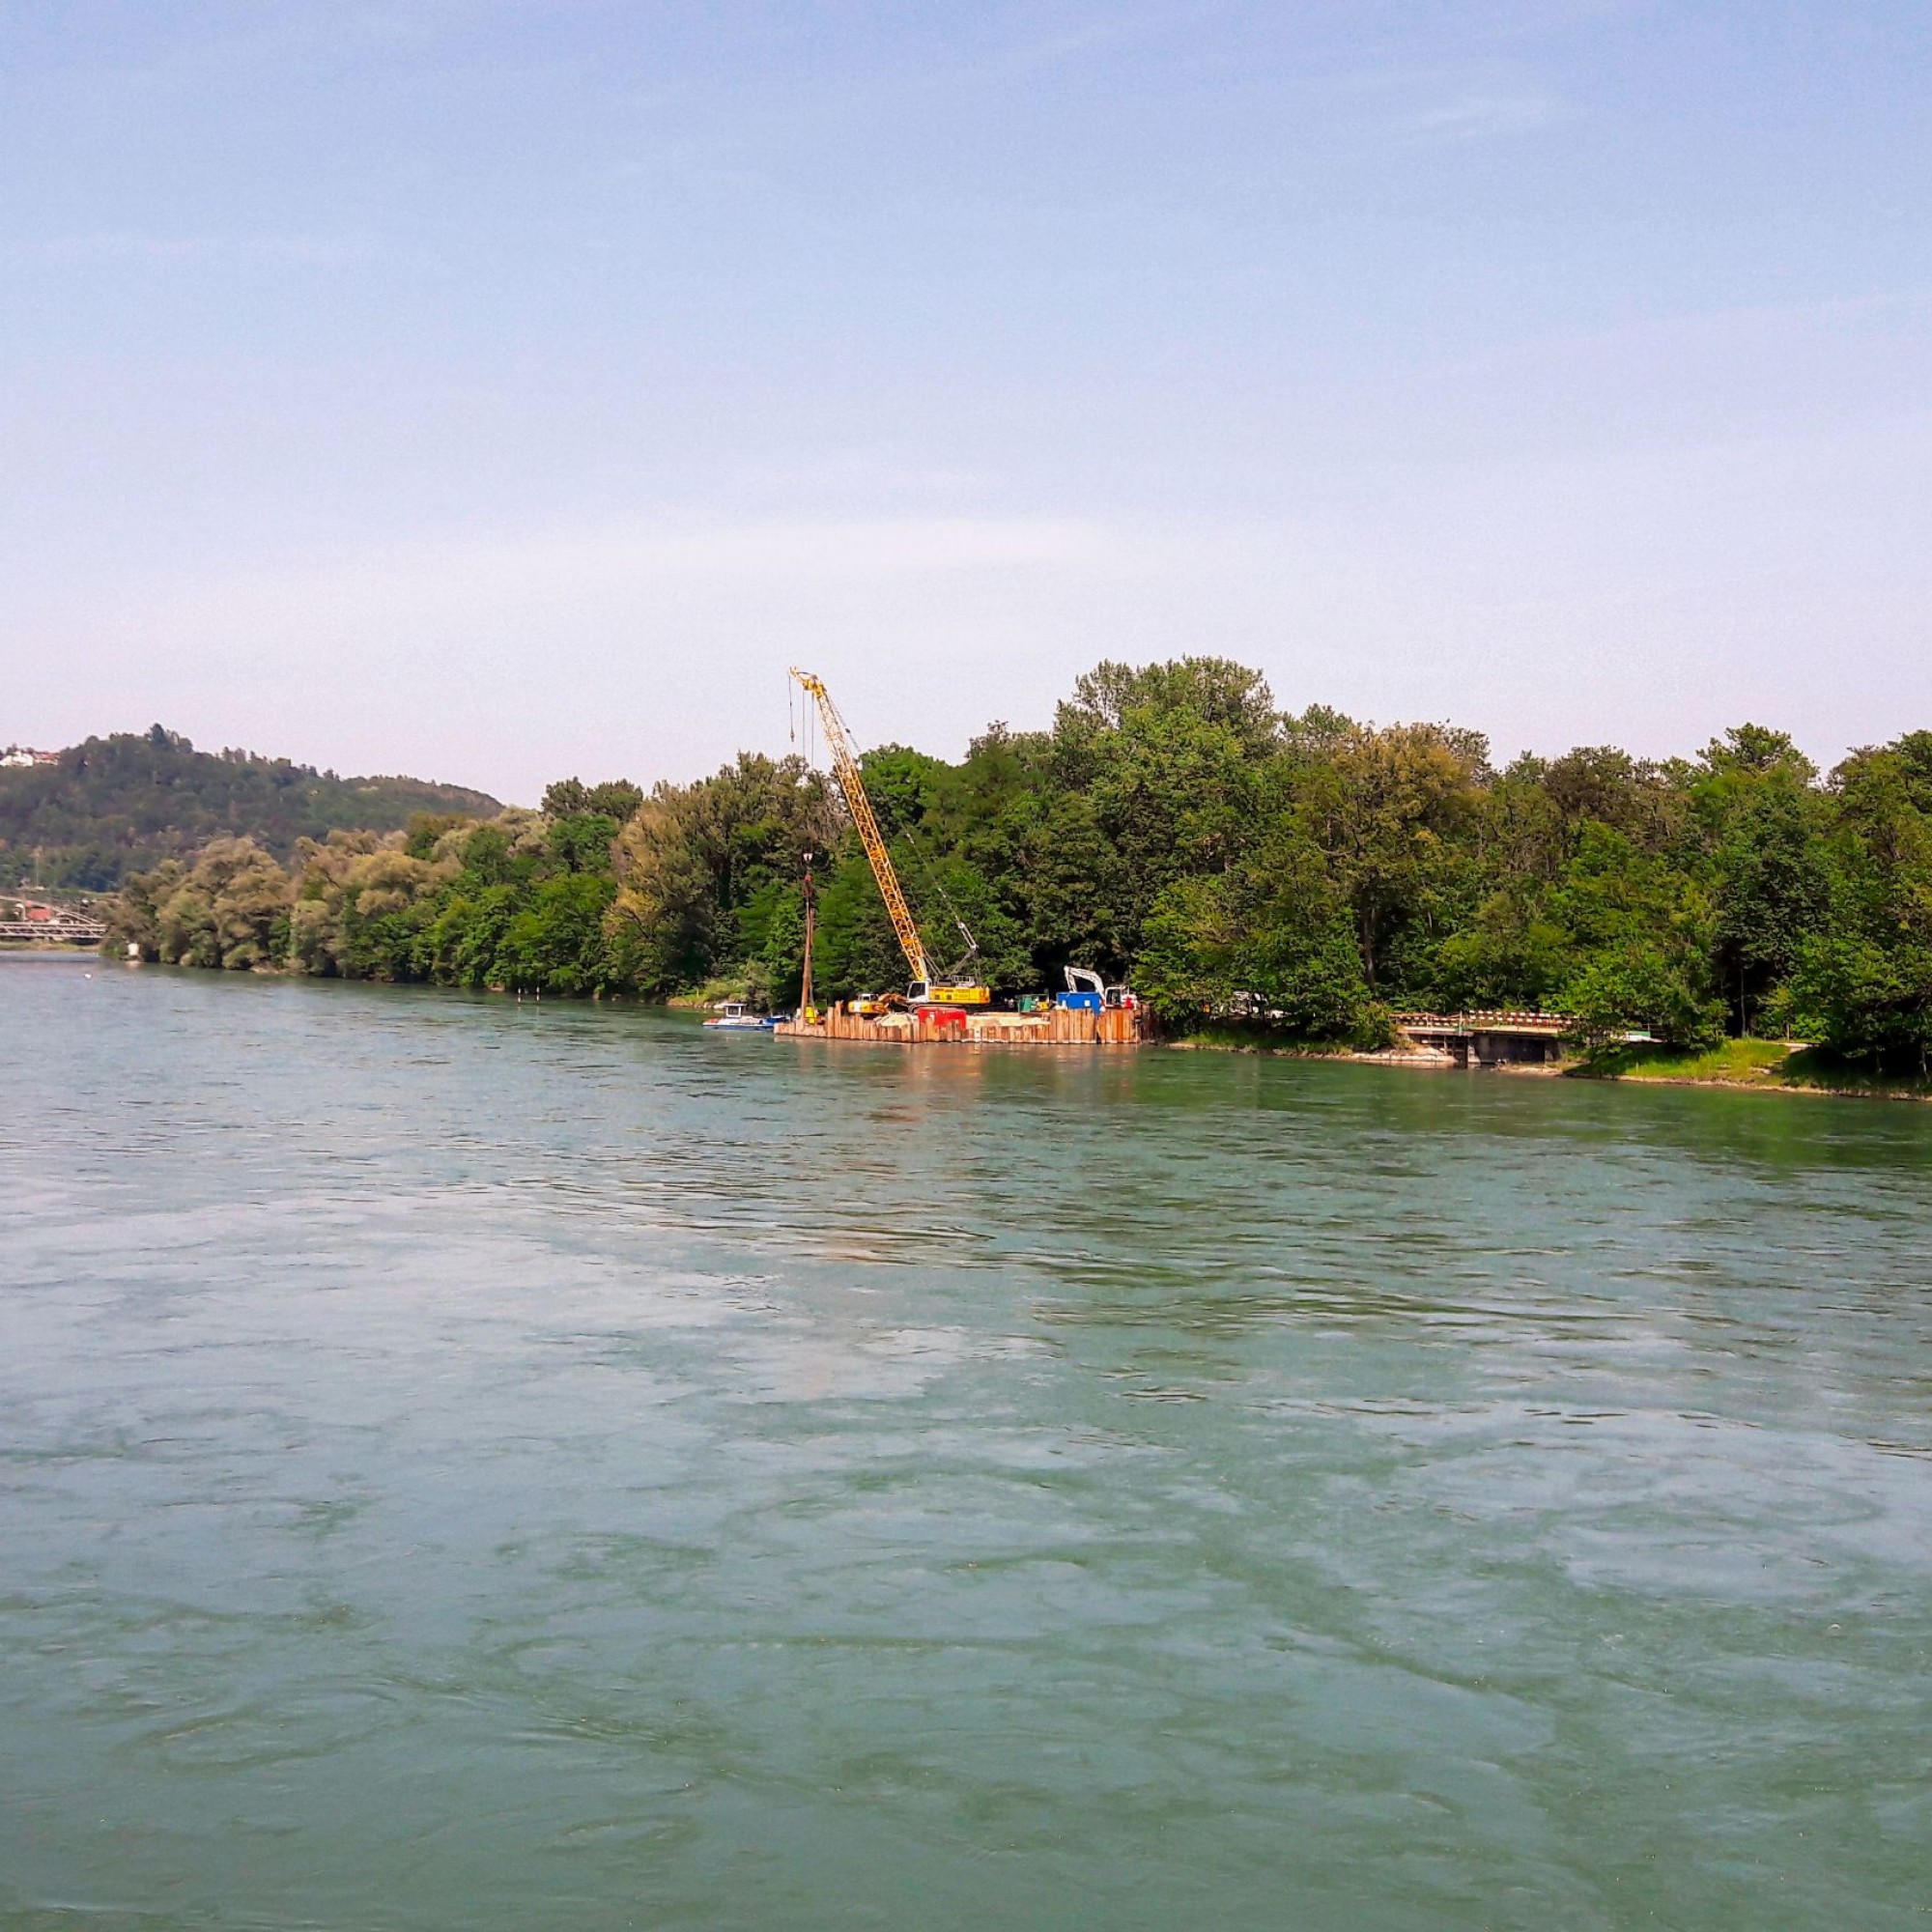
924 866
864 817
928 873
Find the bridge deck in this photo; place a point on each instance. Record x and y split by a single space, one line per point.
71 933
1487 1039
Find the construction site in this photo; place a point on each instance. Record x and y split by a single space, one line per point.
955 1007
1054 1025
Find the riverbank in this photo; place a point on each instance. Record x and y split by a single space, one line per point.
1762 1066
1759 1065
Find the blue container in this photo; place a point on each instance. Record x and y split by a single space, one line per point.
1081 1003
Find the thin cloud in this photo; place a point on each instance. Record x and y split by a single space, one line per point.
1431 104
134 245
1482 116
552 567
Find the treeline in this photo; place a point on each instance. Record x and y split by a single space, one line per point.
1175 829
116 805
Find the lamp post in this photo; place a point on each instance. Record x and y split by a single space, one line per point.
810 912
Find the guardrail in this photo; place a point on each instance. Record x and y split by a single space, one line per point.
77 931
1493 1020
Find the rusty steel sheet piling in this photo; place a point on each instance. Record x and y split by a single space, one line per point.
1059 1026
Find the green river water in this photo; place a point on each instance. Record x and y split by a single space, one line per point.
470 1465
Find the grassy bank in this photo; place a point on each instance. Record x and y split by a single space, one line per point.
1775 1065
1767 1066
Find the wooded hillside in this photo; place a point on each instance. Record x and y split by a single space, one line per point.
123 804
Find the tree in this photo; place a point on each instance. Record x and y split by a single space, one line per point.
1065 887
582 842
571 797
362 906
1773 891
119 805
1385 808
1635 986
1863 978
1173 828
694 859
230 910
557 942
1169 762
858 952
1642 932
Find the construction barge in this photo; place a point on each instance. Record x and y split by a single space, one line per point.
953 1008
965 1025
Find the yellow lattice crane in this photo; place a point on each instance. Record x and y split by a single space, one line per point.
925 988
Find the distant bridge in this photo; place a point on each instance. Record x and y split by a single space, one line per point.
1489 1039
62 931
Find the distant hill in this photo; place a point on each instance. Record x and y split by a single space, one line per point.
120 805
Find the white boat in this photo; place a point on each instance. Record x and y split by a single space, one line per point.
737 1017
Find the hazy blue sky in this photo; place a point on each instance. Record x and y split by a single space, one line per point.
493 390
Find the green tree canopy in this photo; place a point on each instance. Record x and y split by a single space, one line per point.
1173 828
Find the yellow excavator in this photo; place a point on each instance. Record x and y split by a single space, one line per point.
926 988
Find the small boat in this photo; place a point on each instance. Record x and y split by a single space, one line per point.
737 1017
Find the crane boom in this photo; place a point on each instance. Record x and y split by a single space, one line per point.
845 769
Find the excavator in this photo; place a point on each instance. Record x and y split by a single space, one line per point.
928 988
1086 988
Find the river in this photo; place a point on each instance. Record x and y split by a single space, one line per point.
470 1465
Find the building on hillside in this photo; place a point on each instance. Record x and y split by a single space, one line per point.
25 754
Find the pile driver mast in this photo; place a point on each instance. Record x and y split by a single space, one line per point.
852 786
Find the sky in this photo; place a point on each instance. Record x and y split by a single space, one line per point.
494 391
